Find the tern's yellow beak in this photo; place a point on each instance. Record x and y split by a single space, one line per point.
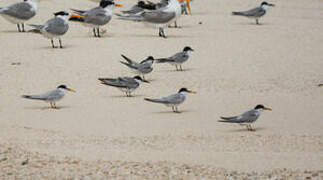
192 92
268 109
117 5
70 90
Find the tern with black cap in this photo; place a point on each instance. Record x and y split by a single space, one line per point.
51 96
160 18
255 13
142 68
96 17
247 118
54 28
124 84
173 100
178 59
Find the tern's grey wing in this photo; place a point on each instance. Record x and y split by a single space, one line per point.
134 10
21 10
174 99
179 57
256 12
97 16
249 116
121 82
48 96
158 17
56 26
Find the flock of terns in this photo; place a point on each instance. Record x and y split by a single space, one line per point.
160 15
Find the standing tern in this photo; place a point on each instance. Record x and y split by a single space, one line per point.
96 17
160 18
255 13
52 96
124 84
19 13
178 59
247 118
173 100
54 28
142 68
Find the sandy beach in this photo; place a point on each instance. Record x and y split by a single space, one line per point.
99 133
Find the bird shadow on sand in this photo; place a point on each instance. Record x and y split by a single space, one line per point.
124 96
174 70
12 31
57 48
243 129
171 112
46 108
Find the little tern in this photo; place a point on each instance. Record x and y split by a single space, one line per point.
173 100
52 96
255 13
160 18
54 28
142 68
19 13
96 17
124 84
178 59
247 118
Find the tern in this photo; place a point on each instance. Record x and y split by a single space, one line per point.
173 100
160 18
255 13
178 59
54 28
96 17
247 118
19 13
142 68
124 84
52 96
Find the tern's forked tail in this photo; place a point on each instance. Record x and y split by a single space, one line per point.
32 97
154 100
237 13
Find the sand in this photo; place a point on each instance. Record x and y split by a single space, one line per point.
236 65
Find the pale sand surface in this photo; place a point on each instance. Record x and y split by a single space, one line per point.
235 66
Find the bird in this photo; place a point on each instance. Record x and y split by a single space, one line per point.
19 13
54 28
51 96
247 118
173 100
255 13
160 18
96 17
125 84
178 59
140 7
142 68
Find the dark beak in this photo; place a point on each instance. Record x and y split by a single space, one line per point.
273 5
145 81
